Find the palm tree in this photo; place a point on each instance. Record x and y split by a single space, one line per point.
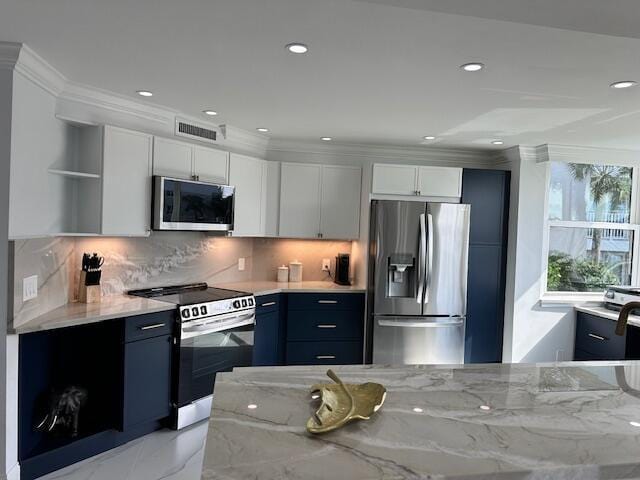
606 181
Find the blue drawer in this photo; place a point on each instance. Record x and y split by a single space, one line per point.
268 303
326 301
596 335
324 353
148 326
318 325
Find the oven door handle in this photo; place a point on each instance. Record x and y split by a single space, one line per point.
202 328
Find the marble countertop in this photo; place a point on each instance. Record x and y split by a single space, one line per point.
600 311
268 287
573 420
74 314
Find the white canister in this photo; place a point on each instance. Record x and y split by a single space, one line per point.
295 271
283 274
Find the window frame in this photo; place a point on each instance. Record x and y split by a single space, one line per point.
633 225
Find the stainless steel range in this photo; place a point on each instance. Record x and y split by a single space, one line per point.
215 334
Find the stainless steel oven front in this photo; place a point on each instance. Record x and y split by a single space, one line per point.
205 347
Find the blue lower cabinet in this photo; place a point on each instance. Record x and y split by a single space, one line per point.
147 381
267 342
324 353
316 325
596 336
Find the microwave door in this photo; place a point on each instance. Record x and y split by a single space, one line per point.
447 259
399 243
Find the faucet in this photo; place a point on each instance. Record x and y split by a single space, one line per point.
623 316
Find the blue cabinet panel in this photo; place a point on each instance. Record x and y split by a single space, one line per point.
318 325
147 380
326 301
487 191
149 325
268 303
596 336
324 353
268 348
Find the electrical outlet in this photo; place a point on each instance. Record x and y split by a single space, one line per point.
29 288
241 264
326 264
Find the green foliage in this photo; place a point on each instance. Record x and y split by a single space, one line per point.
565 274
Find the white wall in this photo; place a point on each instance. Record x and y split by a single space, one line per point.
531 333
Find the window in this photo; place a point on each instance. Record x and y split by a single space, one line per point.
591 233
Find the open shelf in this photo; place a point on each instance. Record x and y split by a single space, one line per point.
73 174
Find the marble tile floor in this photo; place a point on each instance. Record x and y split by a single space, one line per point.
165 454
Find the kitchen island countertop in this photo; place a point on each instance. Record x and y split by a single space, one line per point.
266 287
495 421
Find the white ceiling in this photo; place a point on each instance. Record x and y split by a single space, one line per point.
378 71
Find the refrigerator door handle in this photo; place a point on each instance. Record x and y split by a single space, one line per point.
422 259
436 322
429 262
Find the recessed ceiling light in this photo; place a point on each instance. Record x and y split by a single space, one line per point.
326 139
252 406
429 137
145 93
210 112
497 142
418 410
262 129
472 67
624 84
297 48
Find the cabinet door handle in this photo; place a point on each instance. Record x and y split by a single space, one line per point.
325 357
328 301
326 325
151 327
598 337
267 304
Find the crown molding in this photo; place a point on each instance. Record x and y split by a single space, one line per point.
578 154
445 155
244 140
9 53
22 59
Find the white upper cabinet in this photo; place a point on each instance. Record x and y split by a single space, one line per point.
319 201
126 182
440 181
414 180
300 200
173 158
249 176
394 179
210 165
340 202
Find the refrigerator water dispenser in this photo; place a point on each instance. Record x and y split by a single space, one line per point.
401 275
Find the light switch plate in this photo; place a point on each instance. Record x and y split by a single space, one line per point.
326 264
29 288
241 264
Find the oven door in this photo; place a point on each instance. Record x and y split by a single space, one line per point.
206 347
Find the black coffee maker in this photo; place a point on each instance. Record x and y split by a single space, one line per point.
342 269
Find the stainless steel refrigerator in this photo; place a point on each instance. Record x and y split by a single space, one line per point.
418 282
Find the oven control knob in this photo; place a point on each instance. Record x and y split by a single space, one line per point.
236 304
185 313
250 301
244 302
194 311
203 310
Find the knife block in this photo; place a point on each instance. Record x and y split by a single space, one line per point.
88 293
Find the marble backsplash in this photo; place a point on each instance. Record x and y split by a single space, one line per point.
164 258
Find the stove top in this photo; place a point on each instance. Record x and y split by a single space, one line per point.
199 300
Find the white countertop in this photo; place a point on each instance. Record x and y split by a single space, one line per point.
268 287
74 314
542 421
610 314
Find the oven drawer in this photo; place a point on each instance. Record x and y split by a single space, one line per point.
324 353
318 325
326 301
148 326
596 335
268 303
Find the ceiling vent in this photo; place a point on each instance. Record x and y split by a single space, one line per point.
192 130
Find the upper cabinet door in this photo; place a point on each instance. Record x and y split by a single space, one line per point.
394 179
172 158
300 200
248 175
210 165
340 202
440 181
126 182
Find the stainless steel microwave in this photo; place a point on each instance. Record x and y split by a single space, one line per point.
191 205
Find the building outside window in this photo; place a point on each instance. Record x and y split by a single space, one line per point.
591 227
